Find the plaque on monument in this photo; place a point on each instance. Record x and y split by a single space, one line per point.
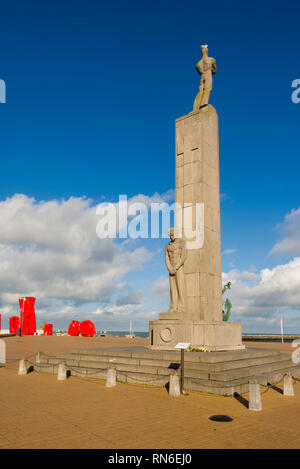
182 345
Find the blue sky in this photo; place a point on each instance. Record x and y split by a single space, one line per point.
93 91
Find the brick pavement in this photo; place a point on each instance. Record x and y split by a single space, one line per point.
37 411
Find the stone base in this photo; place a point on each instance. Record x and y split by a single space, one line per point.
223 373
164 334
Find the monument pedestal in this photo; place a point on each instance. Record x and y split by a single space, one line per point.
214 336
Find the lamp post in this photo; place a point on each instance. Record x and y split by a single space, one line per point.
281 328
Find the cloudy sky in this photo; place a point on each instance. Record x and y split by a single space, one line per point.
93 91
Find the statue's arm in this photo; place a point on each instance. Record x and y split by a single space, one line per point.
168 263
214 67
198 68
226 287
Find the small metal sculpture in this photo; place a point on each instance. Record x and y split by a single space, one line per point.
228 305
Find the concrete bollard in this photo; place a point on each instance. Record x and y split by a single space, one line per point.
174 384
288 385
22 367
111 377
2 348
254 396
62 372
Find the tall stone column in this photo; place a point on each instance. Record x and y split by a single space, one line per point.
197 182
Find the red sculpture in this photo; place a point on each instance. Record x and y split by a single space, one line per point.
87 329
13 325
48 329
74 328
27 315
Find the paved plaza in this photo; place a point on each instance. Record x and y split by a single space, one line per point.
37 411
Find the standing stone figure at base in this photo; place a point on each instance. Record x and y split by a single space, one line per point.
206 67
175 257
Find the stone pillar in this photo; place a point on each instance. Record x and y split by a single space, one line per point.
111 378
61 372
197 182
174 384
288 385
254 396
22 367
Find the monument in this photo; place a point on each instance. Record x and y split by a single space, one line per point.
194 264
195 316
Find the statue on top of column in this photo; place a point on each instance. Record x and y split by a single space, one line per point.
206 67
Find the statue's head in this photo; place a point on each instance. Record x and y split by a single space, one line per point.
171 234
204 50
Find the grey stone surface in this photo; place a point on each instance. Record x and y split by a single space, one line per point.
254 396
22 367
173 355
207 335
288 385
174 384
111 379
221 373
61 372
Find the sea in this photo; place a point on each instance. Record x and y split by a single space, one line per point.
123 333
270 337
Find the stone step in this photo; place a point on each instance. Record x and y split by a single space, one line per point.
238 386
222 376
229 365
228 388
250 371
255 361
126 367
198 357
213 375
52 368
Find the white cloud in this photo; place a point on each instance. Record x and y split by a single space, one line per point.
290 229
229 251
266 295
168 196
50 250
161 291
161 286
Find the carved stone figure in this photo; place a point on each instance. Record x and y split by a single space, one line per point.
206 67
175 258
